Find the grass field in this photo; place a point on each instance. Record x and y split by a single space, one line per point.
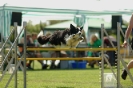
71 78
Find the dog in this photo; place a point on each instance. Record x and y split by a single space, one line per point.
74 40
69 37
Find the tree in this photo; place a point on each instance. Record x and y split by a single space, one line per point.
56 21
35 28
40 26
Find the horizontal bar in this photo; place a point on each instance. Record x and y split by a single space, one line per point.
66 58
71 49
64 11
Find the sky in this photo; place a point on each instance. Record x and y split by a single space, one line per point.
95 5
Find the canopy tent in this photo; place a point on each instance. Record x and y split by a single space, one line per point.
5 23
63 7
91 7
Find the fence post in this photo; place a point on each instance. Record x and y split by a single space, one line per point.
102 53
25 44
15 57
118 55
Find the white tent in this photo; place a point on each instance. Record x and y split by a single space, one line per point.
89 7
67 9
64 9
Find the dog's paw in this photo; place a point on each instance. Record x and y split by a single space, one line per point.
81 39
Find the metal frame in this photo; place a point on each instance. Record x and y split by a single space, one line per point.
59 11
66 11
119 57
17 63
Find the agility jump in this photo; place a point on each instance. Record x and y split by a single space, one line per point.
117 49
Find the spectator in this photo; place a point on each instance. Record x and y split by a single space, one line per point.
56 63
30 42
46 53
107 42
95 42
37 53
112 54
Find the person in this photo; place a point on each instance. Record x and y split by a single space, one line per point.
46 53
95 42
55 64
112 39
30 42
108 41
21 42
37 53
127 34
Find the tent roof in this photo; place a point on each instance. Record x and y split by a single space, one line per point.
85 7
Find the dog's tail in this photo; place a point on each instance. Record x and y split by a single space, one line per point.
43 39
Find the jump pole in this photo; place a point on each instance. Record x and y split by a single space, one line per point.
102 53
118 55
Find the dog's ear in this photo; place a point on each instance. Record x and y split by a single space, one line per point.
71 26
81 28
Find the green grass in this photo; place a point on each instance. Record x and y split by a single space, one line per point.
85 78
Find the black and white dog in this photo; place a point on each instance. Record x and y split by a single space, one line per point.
69 38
